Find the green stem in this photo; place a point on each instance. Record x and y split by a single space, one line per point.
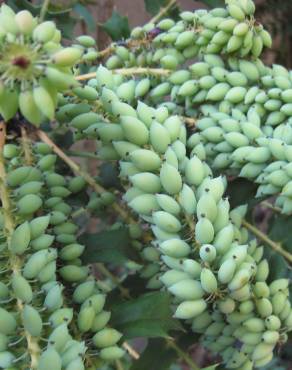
275 246
44 9
183 355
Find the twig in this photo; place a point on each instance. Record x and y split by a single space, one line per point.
271 206
183 355
163 11
119 365
44 9
132 352
129 72
275 246
89 179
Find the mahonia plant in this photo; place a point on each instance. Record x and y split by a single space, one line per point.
191 104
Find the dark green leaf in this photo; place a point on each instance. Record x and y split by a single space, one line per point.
213 3
279 231
85 14
65 22
153 6
242 191
109 176
156 356
150 315
117 26
112 246
64 140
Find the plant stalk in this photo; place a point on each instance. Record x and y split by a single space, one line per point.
183 355
163 11
275 246
129 72
44 9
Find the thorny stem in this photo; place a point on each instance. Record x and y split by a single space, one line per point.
129 72
15 261
163 11
183 355
275 246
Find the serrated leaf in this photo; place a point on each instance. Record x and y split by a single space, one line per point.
117 26
111 246
85 14
149 315
157 355
153 6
